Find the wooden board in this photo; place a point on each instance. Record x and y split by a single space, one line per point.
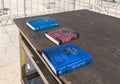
99 35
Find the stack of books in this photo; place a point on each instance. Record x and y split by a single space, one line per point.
66 56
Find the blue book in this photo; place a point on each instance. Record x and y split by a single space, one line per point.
66 58
42 23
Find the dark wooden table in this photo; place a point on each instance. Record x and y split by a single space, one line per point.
99 35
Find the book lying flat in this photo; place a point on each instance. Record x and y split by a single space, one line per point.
61 35
42 23
66 58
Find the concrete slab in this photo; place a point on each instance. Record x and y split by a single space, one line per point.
9 55
4 38
14 37
10 74
10 28
2 30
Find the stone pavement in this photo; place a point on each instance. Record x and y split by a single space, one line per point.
9 55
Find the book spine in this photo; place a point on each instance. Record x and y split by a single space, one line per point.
61 71
76 34
52 39
31 26
59 40
49 63
77 65
74 66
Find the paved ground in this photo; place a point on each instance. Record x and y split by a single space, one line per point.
9 55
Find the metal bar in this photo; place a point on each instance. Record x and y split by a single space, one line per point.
59 5
37 5
79 4
116 7
17 7
54 5
31 7
64 5
2 5
108 6
32 74
101 3
22 58
10 7
89 3
25 8
83 4
43 6
74 4
94 5
48 6
68 5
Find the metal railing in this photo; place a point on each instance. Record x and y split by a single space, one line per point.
22 8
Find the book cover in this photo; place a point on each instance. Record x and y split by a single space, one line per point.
61 35
66 58
42 23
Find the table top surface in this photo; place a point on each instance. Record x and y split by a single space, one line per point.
99 36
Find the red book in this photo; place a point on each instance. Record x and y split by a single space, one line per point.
62 35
